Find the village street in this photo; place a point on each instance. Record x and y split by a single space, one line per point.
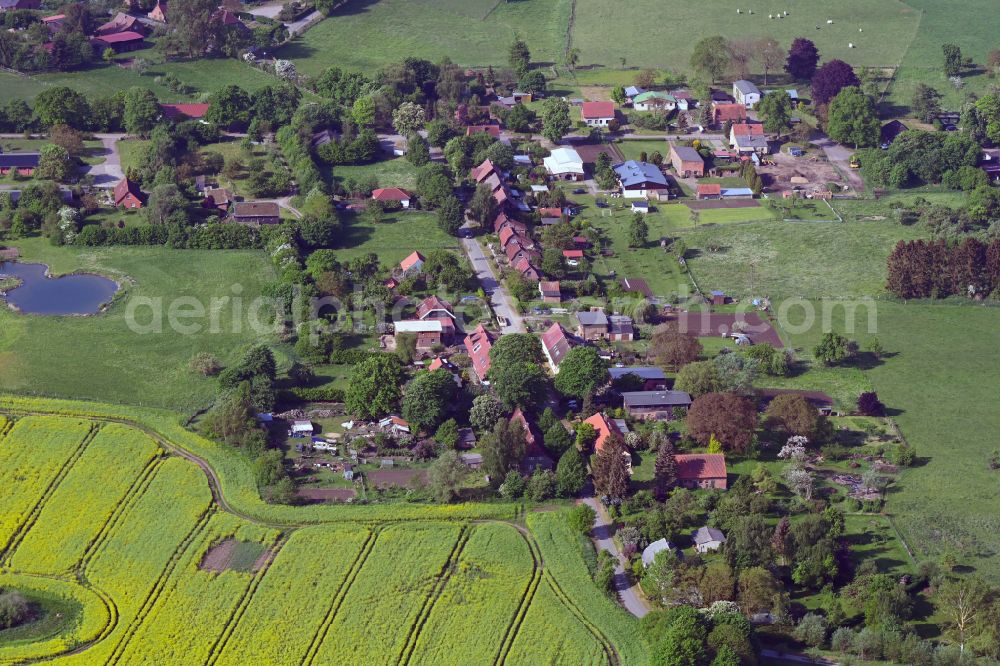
603 534
500 299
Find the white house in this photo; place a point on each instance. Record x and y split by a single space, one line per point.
654 100
640 180
746 93
708 539
650 552
565 164
597 114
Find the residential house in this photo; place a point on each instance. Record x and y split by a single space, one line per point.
723 112
592 325
159 12
23 163
478 345
748 138
128 195
654 100
555 346
746 93
687 161
597 114
684 100
650 552
484 171
386 194
709 191
218 197
414 263
565 164
640 180
708 539
523 265
433 308
472 460
549 291
605 429
120 42
652 378
701 470
395 425
501 222
620 328
429 333
181 112
256 212
122 22
655 405
631 92
535 453
508 235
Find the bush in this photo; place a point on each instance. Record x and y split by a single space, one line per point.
14 609
842 640
581 518
541 486
205 364
870 405
811 630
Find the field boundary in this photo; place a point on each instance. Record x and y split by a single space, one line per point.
32 517
324 627
6 429
514 626
428 604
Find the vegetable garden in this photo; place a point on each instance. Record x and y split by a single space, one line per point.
113 515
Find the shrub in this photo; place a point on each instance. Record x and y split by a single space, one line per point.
205 364
14 609
870 405
842 640
581 518
811 630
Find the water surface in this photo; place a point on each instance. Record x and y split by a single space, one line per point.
67 295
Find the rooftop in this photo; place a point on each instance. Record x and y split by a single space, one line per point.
656 399
598 110
640 371
634 173
701 466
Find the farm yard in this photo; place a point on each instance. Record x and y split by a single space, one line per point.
160 573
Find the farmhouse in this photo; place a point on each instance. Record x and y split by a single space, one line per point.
655 405
592 325
723 112
640 179
256 212
218 197
414 263
746 93
654 100
555 345
605 429
652 378
701 470
388 194
686 161
708 539
120 42
748 138
24 163
128 195
709 191
478 345
564 164
122 22
598 114
549 291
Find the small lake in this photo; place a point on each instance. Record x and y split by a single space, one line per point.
66 295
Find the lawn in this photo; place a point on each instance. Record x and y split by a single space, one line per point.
100 358
365 36
397 172
631 148
397 236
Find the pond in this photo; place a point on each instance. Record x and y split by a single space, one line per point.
40 294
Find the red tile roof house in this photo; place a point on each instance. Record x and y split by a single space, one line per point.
128 195
721 113
502 222
393 194
535 453
550 292
605 429
483 171
572 257
182 112
430 333
523 265
256 212
516 249
478 345
555 213
598 114
709 190
159 12
413 263
433 308
701 470
555 346
122 23
120 42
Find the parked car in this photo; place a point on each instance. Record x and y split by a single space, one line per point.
579 190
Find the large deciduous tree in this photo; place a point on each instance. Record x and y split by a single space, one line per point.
793 414
62 106
711 57
852 119
192 30
555 119
803 56
830 79
374 386
730 418
581 372
768 54
503 448
428 398
776 112
141 111
673 348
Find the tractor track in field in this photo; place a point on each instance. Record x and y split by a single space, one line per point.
410 645
36 510
514 627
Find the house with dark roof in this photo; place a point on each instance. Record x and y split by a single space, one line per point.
555 346
652 378
122 22
535 453
640 179
746 93
256 212
219 198
890 131
655 405
597 114
477 346
550 292
620 328
686 161
23 163
701 470
592 325
708 539
128 195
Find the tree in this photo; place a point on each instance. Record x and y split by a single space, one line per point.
519 56
555 119
952 59
54 163
66 137
581 518
638 231
447 434
571 473
803 56
830 79
165 204
711 57
674 349
451 215
516 348
572 58
418 152
610 470
730 418
768 54
14 609
811 630
793 414
532 81
852 119
757 589
581 372
483 207
698 378
407 118
513 485
486 411
503 448
446 476
925 103
557 438
780 540
363 111
832 349
192 30
522 385
428 398
541 485
870 405
963 602
374 386
618 95
741 52
776 111
664 470
229 107
141 111
62 106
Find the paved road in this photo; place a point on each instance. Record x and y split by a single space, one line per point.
840 156
602 534
502 302
110 171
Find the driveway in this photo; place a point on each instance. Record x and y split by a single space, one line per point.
840 156
109 172
300 26
602 534
501 301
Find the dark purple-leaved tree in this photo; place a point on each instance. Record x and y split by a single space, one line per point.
803 56
830 79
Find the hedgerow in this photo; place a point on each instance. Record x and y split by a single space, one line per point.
84 500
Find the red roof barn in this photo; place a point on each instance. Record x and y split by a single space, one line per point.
701 470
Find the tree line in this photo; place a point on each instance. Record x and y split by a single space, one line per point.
938 269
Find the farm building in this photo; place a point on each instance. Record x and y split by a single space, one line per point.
128 195
386 194
218 197
655 405
477 346
549 291
736 193
890 131
709 191
555 345
746 93
708 539
592 325
564 164
640 179
24 163
182 112
652 378
701 470
723 112
430 333
120 42
620 328
122 22
256 212
598 114
686 161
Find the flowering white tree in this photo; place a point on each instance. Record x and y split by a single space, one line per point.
794 448
800 480
69 223
285 69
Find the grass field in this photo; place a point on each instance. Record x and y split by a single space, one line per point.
397 172
395 237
